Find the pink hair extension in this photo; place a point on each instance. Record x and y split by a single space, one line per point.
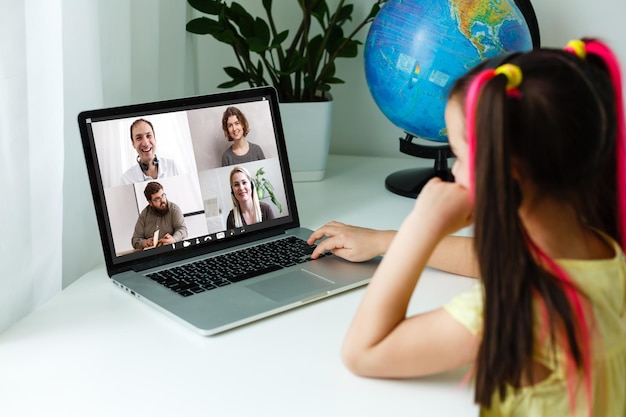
468 377
470 116
579 305
604 52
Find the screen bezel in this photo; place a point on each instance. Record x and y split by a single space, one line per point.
164 255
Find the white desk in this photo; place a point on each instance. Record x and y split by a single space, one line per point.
93 350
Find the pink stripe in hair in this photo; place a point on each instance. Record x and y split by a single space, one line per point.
579 306
471 101
605 53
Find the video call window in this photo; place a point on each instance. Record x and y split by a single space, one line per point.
185 151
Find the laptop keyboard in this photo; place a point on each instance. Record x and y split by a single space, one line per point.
236 266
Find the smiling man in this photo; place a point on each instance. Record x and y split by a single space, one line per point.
148 166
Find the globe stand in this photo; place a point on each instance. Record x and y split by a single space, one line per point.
409 182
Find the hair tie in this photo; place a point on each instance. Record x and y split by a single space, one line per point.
513 74
577 47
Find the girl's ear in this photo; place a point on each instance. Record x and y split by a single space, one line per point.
517 174
523 186
517 170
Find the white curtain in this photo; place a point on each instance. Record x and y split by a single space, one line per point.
31 170
57 58
117 52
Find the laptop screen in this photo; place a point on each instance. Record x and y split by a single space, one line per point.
178 178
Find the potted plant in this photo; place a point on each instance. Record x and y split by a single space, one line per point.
300 65
265 189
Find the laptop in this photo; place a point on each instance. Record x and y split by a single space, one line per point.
179 248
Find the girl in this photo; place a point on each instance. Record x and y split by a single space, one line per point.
535 137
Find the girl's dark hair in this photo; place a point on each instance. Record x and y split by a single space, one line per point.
234 111
560 132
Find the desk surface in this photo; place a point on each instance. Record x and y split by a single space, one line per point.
93 350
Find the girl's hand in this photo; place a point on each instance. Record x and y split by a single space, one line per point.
445 207
356 244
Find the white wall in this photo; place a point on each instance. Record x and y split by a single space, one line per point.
145 54
359 127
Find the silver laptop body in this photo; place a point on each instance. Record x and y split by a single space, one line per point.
189 135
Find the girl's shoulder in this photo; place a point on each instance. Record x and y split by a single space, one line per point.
614 265
467 308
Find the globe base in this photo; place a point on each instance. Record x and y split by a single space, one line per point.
409 182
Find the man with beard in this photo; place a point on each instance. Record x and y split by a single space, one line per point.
159 215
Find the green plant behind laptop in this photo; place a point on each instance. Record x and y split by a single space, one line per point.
265 189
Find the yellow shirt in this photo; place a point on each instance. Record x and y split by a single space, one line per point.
604 283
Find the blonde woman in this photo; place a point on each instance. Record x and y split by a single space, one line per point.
247 209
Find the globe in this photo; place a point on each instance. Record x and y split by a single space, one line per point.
416 49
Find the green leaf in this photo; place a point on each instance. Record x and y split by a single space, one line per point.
345 14
203 26
280 38
262 30
207 6
257 45
334 80
265 188
229 84
225 36
315 48
236 74
350 50
242 19
335 38
320 11
276 202
267 5
268 185
374 11
323 87
330 71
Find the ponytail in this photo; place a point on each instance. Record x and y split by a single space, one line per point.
612 65
506 349
516 273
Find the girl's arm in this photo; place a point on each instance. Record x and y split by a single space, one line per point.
453 254
382 341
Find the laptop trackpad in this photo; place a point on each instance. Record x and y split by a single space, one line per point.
289 285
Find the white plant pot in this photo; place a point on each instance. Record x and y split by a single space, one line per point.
307 128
